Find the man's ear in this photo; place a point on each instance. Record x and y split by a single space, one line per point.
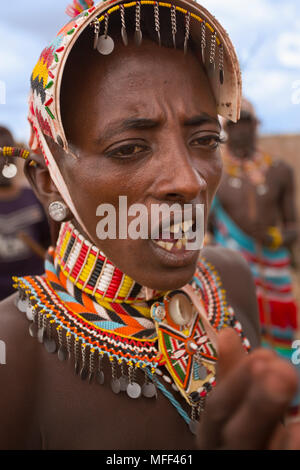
39 177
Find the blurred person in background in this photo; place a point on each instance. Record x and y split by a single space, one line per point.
24 230
254 212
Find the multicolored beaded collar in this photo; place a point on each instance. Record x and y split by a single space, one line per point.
68 319
82 265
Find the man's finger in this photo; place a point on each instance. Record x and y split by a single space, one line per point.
269 396
228 396
230 352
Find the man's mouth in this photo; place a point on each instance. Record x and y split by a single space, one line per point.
175 239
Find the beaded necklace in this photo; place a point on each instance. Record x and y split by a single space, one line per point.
115 324
255 169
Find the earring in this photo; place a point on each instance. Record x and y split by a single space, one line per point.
58 211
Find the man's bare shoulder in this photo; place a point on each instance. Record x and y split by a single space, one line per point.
238 282
18 379
282 169
13 323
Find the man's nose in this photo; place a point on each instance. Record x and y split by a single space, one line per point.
179 179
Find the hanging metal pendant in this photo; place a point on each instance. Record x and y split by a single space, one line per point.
187 31
29 313
62 354
221 63
157 22
138 36
115 386
212 54
33 330
123 27
203 41
134 390
235 183
41 335
174 24
149 390
193 426
23 305
261 189
124 36
50 345
83 373
9 171
100 377
96 32
105 45
124 381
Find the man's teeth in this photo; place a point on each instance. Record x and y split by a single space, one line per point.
181 226
169 246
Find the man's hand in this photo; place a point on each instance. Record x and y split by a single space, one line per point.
253 393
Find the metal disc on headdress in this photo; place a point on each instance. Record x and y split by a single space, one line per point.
124 36
134 390
9 171
105 45
138 37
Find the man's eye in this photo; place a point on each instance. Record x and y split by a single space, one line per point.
127 151
209 141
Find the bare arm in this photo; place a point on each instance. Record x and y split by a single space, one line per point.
288 207
18 382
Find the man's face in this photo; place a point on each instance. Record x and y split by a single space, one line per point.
242 135
145 124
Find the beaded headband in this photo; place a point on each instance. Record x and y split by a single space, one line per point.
9 170
217 52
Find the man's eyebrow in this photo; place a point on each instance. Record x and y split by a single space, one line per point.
127 124
201 119
118 127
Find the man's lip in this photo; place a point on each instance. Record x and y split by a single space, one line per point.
182 258
175 217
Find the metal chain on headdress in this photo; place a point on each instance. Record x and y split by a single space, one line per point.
203 41
212 55
174 24
138 33
187 30
123 27
96 32
221 63
156 21
106 18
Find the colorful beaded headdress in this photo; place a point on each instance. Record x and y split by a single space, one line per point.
215 49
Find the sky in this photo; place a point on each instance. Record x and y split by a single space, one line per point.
266 34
